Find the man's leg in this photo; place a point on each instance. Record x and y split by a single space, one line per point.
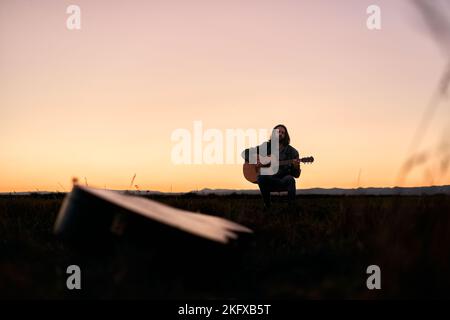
264 183
288 182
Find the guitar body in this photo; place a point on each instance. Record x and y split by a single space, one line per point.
251 171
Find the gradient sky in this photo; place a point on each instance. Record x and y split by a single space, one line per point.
102 102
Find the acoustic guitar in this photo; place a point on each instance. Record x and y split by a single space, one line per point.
251 170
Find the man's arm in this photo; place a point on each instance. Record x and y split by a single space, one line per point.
295 167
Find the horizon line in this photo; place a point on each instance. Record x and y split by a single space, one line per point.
211 190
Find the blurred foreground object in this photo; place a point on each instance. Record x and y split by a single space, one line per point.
95 215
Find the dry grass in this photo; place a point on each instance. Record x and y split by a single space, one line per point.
318 249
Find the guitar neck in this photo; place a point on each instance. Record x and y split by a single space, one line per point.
283 162
289 161
307 159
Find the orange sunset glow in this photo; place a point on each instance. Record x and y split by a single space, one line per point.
102 102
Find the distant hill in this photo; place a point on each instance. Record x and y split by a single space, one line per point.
340 191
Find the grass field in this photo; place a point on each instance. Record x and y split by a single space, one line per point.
319 249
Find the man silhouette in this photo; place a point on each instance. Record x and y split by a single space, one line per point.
284 178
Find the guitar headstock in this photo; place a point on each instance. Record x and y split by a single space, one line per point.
307 160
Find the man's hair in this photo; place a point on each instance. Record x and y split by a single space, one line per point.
287 139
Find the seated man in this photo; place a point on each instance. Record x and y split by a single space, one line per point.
284 179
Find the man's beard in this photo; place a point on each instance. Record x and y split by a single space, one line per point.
283 141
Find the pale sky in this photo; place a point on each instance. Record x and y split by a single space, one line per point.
102 102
